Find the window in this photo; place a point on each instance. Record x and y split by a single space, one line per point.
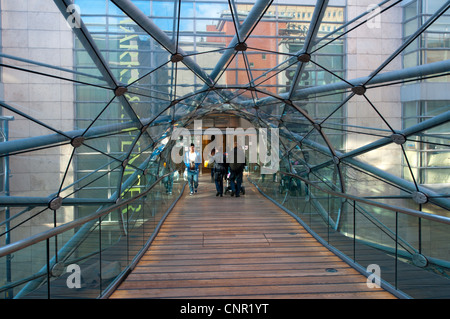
433 45
428 153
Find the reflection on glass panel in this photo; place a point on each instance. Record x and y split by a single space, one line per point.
163 8
430 6
410 27
410 10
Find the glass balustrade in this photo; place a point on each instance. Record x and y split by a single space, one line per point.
408 248
84 260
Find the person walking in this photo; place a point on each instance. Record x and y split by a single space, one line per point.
211 164
192 161
167 180
237 165
220 171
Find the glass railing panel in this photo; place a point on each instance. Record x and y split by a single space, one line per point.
374 245
85 260
425 273
342 235
86 249
289 200
22 267
408 236
407 251
159 200
319 220
435 239
373 223
27 221
303 209
134 221
149 215
90 260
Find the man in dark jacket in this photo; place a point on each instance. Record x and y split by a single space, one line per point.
237 165
220 171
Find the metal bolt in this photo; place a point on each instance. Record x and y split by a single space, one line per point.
304 57
121 90
419 197
240 46
177 57
336 160
359 90
77 141
55 203
398 138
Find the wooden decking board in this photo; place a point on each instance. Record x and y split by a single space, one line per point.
240 261
360 295
241 282
155 276
212 247
208 250
229 255
235 291
241 267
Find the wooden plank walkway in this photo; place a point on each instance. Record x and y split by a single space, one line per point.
213 247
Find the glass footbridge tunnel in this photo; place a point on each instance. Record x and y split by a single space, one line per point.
341 107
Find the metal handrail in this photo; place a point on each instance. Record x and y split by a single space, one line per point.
403 210
373 219
21 244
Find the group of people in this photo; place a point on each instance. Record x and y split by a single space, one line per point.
224 167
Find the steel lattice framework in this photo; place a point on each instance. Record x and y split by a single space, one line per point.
251 99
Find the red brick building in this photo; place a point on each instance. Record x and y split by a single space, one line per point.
263 38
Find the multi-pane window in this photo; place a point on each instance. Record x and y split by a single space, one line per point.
428 153
432 45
